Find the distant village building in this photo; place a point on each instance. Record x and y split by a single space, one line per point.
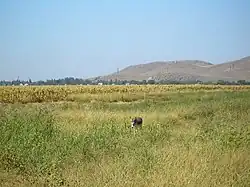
150 78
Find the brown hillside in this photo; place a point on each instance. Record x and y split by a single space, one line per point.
234 70
185 70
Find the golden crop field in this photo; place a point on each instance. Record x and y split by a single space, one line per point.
192 135
27 94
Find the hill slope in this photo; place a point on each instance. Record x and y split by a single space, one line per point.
186 70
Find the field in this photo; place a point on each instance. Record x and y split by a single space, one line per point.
192 135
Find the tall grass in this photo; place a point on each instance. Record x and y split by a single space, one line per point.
187 139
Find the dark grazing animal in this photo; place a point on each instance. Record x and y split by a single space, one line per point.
136 122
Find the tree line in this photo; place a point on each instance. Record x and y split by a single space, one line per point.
79 81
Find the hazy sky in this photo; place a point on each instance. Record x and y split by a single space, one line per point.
44 39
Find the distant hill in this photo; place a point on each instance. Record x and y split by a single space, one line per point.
185 70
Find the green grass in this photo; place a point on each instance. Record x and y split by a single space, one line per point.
187 139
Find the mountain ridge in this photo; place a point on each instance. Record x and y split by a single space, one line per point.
185 70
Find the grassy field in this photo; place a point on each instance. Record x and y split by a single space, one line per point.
190 137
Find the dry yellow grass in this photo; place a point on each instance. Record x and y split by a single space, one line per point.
29 94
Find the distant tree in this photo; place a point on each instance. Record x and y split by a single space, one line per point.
144 82
241 82
221 82
151 81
